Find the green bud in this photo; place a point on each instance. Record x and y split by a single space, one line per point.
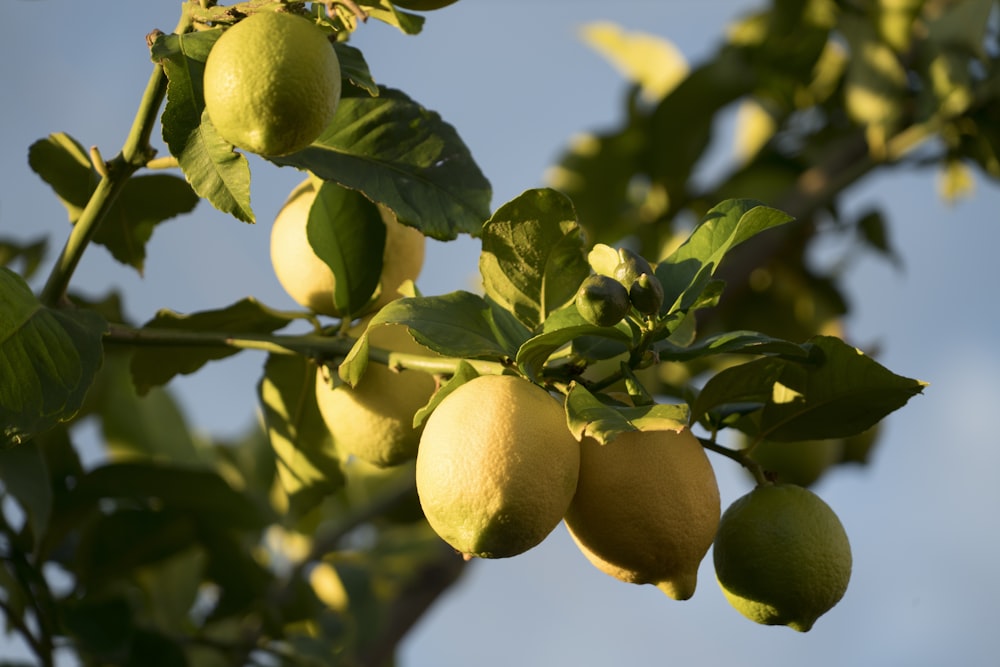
646 294
602 301
630 267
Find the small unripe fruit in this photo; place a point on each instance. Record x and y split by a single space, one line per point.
602 301
630 267
646 294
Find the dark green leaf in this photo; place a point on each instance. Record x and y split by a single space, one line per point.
48 359
347 232
100 627
211 166
687 272
24 475
533 257
307 463
561 327
405 157
732 342
156 365
144 202
354 69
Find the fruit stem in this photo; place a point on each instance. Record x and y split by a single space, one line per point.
739 456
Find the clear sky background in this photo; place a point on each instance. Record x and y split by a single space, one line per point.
516 81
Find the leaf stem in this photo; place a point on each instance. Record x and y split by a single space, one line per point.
739 456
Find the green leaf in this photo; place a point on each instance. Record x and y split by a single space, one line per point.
408 24
354 68
732 342
24 475
836 393
563 326
144 202
48 360
687 272
347 232
463 374
307 463
533 258
403 156
459 324
156 365
214 170
588 416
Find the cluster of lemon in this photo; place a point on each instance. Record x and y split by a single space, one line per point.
497 468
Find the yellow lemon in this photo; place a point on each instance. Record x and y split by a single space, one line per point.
272 83
374 419
496 467
782 556
309 280
646 508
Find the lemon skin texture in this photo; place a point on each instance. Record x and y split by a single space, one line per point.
646 508
497 467
272 83
309 280
782 556
373 420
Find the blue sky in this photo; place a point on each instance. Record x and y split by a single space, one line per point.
517 83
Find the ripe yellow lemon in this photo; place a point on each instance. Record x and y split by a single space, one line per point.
496 467
374 419
272 83
646 508
309 280
782 556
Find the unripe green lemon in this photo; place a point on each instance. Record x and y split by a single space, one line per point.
602 301
496 467
782 556
646 294
799 463
374 419
630 267
272 83
646 508
309 280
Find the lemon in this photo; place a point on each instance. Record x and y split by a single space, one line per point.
646 508
496 467
800 463
374 419
309 280
272 83
782 556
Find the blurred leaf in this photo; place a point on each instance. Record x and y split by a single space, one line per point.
30 254
211 166
100 627
961 25
48 359
688 270
149 426
650 61
956 181
347 232
588 416
307 462
156 365
152 649
144 202
24 475
405 157
875 233
533 258
895 19
875 82
203 493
